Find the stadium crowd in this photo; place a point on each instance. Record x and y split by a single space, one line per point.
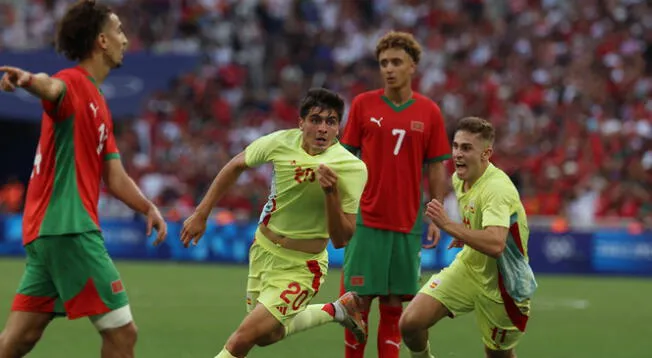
568 84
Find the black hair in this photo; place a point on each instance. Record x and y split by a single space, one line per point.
324 99
79 27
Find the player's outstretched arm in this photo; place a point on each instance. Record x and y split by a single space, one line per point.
123 187
340 224
490 241
40 85
195 225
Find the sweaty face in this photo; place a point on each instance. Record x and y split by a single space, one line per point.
470 153
320 127
113 41
396 67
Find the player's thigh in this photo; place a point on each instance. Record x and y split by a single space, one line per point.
405 271
367 259
84 274
36 291
25 327
290 281
498 331
453 288
260 327
421 313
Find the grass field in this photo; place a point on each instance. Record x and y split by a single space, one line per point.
188 311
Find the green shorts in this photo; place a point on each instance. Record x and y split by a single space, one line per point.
460 293
282 280
381 262
70 275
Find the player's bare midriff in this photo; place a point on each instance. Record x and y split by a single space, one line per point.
309 246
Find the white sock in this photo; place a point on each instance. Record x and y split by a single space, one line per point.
340 311
423 354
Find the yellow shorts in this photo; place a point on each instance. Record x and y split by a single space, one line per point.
282 280
460 293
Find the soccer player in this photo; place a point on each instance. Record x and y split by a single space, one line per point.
68 269
315 194
398 133
491 274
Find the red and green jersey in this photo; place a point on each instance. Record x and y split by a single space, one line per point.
76 138
394 142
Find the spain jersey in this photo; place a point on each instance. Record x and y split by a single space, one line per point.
395 143
296 206
76 138
494 201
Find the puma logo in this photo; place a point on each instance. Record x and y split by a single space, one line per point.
395 344
94 108
377 121
351 345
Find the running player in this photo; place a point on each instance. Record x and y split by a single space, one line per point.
491 274
398 132
315 195
68 269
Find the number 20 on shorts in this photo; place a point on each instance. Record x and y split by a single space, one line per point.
294 289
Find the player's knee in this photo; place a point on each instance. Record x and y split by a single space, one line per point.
19 344
241 341
121 339
272 337
410 322
490 353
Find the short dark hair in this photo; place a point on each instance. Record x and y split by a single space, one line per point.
477 125
400 40
324 99
79 27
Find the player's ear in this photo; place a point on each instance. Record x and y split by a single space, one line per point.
301 121
102 40
487 153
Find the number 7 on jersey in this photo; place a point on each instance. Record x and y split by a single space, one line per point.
399 142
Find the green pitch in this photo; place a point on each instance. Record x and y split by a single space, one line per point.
189 311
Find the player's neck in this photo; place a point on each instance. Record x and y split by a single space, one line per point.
399 96
468 184
96 68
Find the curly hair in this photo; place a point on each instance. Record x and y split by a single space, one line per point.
477 125
401 40
324 99
79 27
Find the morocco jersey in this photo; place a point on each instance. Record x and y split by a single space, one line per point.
494 201
76 138
296 206
395 143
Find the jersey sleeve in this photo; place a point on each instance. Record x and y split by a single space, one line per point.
438 147
496 206
260 151
63 107
111 148
352 137
351 186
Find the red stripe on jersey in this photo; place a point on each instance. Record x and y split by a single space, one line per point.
315 269
516 235
515 315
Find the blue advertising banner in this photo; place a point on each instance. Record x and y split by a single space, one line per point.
600 252
125 88
560 253
617 252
